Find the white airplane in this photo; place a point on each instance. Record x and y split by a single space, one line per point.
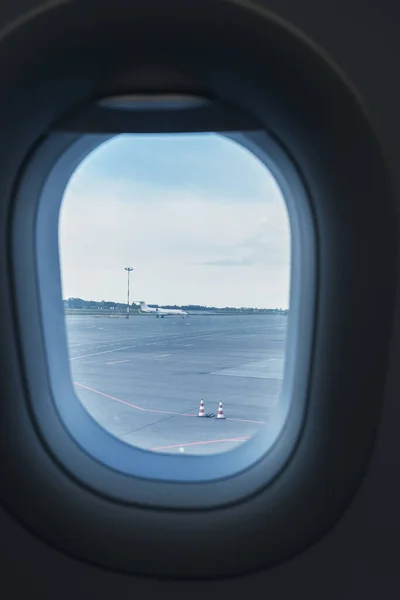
160 312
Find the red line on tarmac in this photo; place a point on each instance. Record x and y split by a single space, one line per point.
154 410
240 439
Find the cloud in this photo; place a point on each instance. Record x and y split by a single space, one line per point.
187 246
225 262
268 246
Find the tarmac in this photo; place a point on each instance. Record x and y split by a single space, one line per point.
143 378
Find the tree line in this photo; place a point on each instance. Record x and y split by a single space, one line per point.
75 303
79 303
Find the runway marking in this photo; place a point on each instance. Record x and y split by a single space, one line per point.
153 410
160 355
187 345
115 362
242 420
101 341
238 439
174 337
103 352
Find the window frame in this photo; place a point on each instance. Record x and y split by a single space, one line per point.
185 480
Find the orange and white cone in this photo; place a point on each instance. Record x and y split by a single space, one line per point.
201 410
220 414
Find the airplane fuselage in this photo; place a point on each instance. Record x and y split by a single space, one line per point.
161 312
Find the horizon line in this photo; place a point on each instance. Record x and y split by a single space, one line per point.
179 305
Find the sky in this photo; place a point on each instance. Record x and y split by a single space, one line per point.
199 218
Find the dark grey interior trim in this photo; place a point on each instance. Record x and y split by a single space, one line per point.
215 116
265 69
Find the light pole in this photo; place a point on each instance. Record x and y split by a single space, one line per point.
129 269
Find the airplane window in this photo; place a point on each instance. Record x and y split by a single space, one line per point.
175 263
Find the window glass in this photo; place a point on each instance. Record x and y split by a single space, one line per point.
175 263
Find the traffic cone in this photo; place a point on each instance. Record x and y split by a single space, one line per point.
201 409
220 414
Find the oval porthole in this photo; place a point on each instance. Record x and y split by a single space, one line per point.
175 255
